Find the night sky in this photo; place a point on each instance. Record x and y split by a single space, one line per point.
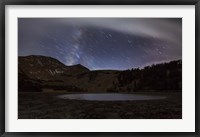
102 43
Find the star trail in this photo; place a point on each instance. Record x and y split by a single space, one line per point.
102 43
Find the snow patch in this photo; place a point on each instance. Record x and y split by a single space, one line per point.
58 72
54 72
39 62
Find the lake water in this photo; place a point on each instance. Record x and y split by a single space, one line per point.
110 97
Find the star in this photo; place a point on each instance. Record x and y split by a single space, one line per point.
101 43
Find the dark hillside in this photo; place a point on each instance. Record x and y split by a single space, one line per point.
40 73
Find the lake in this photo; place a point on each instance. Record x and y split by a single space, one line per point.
110 97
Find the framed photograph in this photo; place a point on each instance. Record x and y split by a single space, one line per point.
125 68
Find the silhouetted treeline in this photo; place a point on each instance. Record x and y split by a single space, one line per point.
165 76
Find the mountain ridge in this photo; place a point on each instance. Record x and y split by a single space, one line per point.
46 73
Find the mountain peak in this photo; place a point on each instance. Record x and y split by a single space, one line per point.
45 68
80 67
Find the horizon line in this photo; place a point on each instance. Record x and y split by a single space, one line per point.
142 67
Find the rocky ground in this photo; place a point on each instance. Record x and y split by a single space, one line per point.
48 106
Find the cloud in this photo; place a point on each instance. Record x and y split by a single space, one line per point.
163 28
71 39
169 29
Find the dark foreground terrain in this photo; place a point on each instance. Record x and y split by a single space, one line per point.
45 105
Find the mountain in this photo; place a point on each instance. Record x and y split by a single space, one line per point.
41 73
52 74
47 68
